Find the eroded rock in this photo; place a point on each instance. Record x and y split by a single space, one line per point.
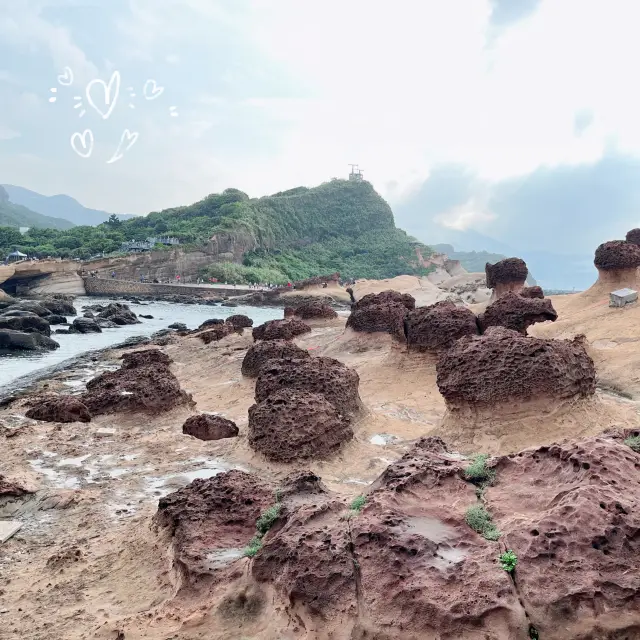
59 306
617 254
438 326
216 332
385 317
280 329
19 341
293 425
60 409
132 359
85 325
532 292
27 324
240 321
209 427
516 312
261 352
633 236
385 297
313 311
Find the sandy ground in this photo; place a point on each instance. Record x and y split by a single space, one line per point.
88 562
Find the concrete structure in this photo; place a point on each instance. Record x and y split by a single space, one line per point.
136 246
622 297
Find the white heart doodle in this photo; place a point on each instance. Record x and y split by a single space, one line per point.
66 78
111 92
151 90
82 143
127 140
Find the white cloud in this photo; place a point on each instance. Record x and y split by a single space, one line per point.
7 133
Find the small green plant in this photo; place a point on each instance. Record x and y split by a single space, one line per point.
253 547
508 560
633 442
266 520
358 503
478 472
479 519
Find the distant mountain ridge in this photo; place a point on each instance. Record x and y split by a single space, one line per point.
16 215
59 206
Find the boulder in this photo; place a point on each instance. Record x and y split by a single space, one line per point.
59 306
438 326
516 312
31 305
178 326
294 425
18 313
18 341
215 333
119 313
372 318
60 409
532 292
280 329
509 270
313 311
56 319
633 236
144 357
146 317
26 324
261 352
617 255
240 321
504 366
325 376
209 427
85 325
386 297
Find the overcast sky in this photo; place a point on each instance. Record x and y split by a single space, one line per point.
518 119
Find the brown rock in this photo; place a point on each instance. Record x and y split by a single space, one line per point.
617 254
133 359
503 365
386 297
209 427
315 310
215 333
261 352
532 292
507 271
301 482
240 321
373 318
325 376
151 388
633 236
212 322
213 515
289 312
438 326
280 329
293 425
9 488
60 409
516 312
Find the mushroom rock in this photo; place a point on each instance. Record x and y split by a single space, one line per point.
146 387
386 317
133 359
289 312
216 332
209 427
314 310
617 262
211 520
212 322
280 329
386 297
438 326
59 409
325 376
506 275
502 365
291 425
532 292
240 321
516 312
261 352
633 236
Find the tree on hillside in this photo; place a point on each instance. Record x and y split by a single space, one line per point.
114 221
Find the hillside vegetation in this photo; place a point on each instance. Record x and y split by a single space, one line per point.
16 216
338 226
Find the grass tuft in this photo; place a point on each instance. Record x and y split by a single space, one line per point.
479 519
508 560
253 547
266 520
358 503
478 472
633 442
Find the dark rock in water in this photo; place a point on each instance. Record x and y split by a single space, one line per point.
207 323
178 326
119 313
27 324
56 319
240 321
151 388
31 305
161 333
88 314
106 324
132 341
142 315
17 313
65 331
261 352
61 409
59 307
85 325
208 427
19 341
228 303
296 425
145 357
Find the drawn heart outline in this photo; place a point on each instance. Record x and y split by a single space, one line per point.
82 139
151 90
66 78
111 93
127 138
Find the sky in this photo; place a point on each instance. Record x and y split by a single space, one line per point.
517 120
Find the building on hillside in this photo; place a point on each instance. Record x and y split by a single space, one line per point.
356 174
137 246
16 256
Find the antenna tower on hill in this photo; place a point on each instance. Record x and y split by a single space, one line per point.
356 174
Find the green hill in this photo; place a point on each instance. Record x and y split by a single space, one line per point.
338 226
15 215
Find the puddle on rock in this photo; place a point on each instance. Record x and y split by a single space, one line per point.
383 439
